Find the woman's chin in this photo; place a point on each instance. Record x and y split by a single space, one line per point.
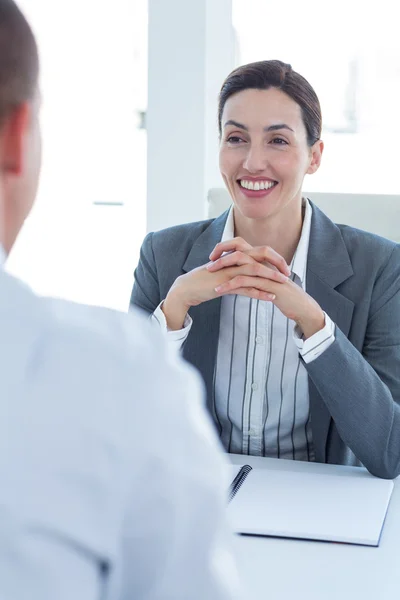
255 209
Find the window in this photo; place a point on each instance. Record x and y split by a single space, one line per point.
83 237
349 52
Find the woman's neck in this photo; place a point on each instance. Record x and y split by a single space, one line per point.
281 232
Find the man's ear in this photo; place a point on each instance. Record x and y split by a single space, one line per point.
13 133
316 156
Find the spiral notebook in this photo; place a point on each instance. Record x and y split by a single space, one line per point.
238 479
347 506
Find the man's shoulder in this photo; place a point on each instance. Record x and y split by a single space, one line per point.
97 333
58 337
117 372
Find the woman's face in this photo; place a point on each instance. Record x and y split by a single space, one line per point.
264 154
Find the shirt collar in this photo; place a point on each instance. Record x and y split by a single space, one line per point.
298 265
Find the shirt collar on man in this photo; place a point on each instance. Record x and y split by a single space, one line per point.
298 265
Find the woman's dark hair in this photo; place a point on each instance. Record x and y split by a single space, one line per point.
275 74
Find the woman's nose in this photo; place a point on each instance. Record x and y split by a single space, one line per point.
255 160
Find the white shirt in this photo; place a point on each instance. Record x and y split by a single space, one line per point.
111 479
261 399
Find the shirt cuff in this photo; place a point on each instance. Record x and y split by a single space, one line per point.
315 345
176 338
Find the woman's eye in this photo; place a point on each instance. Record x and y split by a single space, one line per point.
279 141
234 139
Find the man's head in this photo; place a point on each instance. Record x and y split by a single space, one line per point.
20 140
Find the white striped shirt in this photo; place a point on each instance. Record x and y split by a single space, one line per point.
261 398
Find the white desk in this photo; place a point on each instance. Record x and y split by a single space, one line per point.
280 569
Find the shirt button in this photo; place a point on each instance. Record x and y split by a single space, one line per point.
259 339
254 386
252 432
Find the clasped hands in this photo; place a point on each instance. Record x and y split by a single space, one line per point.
236 267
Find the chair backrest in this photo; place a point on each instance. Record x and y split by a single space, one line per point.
379 214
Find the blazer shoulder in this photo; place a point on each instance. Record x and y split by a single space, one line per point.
178 236
374 246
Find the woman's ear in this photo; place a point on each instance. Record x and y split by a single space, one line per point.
316 156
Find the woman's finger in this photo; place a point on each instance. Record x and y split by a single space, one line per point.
247 281
251 293
254 269
266 254
229 246
263 254
232 259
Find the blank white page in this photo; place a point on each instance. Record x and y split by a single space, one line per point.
333 507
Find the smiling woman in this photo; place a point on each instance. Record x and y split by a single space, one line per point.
291 319
267 163
270 126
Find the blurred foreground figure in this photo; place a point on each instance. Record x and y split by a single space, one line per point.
111 482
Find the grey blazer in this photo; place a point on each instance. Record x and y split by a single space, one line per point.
354 385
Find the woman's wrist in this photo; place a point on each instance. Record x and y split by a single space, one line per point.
175 311
313 322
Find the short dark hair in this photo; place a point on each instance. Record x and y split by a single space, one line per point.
19 60
277 74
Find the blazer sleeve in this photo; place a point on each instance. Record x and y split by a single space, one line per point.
146 287
362 390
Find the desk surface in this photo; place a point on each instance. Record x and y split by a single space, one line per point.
279 569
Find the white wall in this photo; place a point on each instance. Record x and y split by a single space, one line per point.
93 79
191 50
379 214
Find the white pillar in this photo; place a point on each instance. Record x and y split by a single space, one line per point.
191 50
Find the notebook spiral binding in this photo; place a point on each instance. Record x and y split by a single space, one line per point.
238 481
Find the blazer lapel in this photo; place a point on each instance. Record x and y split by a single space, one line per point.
202 247
328 266
201 347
